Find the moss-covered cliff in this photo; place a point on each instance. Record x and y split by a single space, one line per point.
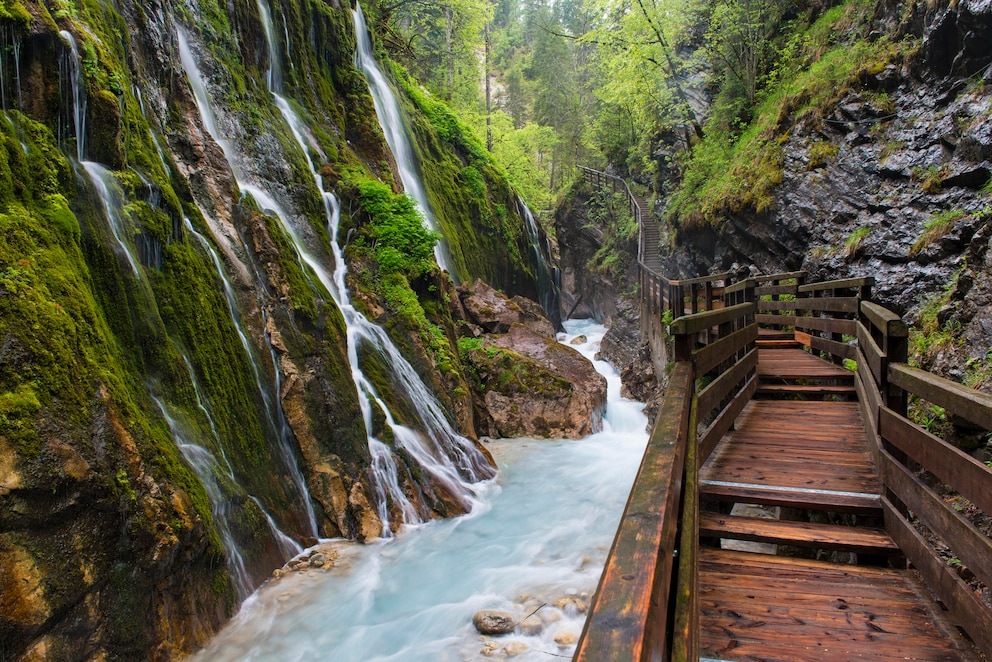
173 373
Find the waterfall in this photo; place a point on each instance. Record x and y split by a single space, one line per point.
452 460
110 197
273 411
387 110
548 275
205 466
73 71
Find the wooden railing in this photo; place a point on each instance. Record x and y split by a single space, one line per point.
904 451
645 607
822 316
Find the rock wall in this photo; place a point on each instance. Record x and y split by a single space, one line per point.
151 312
903 192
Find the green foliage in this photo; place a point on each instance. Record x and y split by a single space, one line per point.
819 153
401 242
931 178
739 163
611 214
936 227
854 241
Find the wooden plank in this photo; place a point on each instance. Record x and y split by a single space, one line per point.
869 402
871 390
802 338
966 475
967 403
828 324
738 286
785 275
762 607
800 534
629 612
685 282
843 284
709 357
820 304
798 364
723 422
965 608
843 350
884 320
874 358
806 389
771 290
838 502
776 320
718 390
685 635
701 321
967 542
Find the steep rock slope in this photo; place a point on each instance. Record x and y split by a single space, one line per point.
891 180
177 405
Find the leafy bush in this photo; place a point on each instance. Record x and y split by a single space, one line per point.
402 243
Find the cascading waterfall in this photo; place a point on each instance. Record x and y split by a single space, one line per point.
206 468
73 72
449 458
201 460
387 110
548 275
273 410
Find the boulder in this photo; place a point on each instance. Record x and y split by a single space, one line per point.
566 638
531 626
526 383
491 621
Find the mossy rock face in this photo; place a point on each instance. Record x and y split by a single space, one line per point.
106 144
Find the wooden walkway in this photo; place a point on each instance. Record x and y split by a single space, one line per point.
802 457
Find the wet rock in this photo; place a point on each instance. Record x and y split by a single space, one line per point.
493 622
531 626
317 561
515 648
527 384
570 604
566 638
579 340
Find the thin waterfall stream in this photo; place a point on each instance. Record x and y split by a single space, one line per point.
387 109
538 541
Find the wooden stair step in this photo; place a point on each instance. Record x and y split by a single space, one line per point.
859 503
798 534
776 343
806 389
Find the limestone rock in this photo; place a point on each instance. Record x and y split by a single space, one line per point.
531 626
526 383
491 621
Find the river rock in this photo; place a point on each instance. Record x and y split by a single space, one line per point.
531 626
570 603
491 621
566 638
578 340
515 648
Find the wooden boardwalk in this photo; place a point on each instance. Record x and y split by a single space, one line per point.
802 457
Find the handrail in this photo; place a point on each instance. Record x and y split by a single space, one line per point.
899 446
631 608
644 607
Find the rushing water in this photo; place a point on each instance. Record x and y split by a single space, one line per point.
451 460
548 275
542 535
387 109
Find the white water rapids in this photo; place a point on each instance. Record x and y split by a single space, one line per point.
541 534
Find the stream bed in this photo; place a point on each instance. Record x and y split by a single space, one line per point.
535 545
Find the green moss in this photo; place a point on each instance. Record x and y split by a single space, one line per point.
854 241
738 164
820 153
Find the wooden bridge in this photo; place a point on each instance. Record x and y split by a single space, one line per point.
786 508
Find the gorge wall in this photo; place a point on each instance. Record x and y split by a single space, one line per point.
179 404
